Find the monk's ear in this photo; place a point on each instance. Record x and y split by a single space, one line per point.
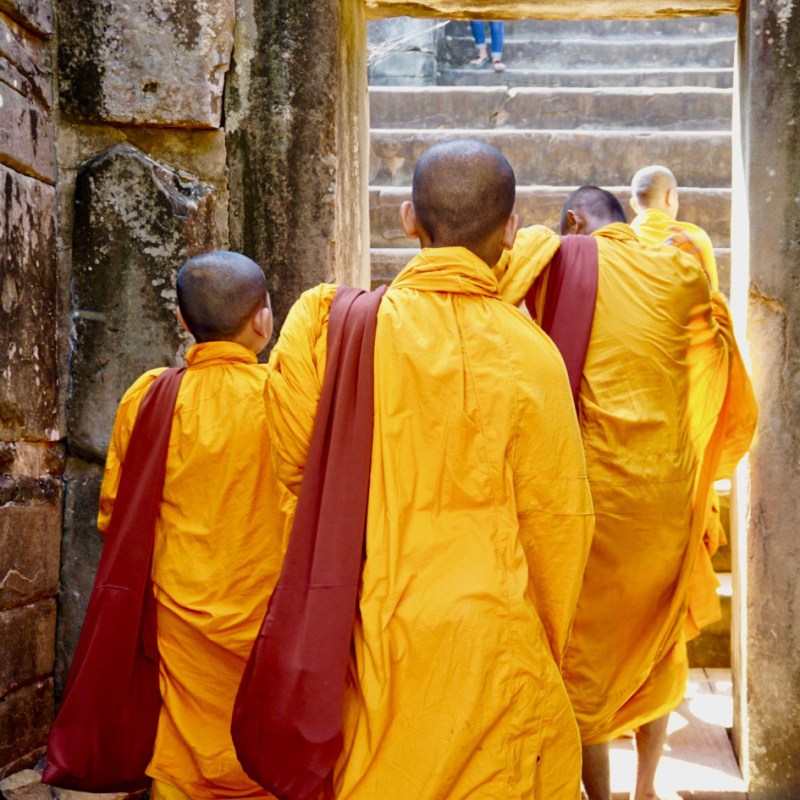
510 232
181 320
575 221
634 205
408 219
263 322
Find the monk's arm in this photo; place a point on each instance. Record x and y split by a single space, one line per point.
120 436
519 267
554 503
296 371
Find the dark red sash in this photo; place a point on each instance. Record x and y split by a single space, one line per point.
287 719
570 302
102 739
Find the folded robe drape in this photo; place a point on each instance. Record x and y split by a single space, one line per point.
287 720
102 739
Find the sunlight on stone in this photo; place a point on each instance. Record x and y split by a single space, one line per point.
713 709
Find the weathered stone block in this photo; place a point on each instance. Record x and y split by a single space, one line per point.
81 547
28 404
136 221
25 717
30 540
25 62
24 785
34 14
144 63
28 635
26 137
408 68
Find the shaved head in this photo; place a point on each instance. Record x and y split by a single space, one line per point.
650 185
594 206
463 191
218 293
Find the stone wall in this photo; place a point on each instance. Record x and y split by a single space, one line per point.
769 188
31 459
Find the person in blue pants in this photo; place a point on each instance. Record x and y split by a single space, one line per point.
479 33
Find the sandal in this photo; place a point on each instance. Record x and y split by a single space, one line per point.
499 66
478 63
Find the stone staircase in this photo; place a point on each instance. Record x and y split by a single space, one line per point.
581 102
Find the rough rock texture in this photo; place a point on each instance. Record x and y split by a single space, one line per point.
27 785
550 9
80 554
402 50
28 404
26 135
296 120
25 717
136 221
36 15
28 636
144 63
769 184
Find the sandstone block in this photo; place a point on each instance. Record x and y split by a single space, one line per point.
81 547
25 717
136 221
34 14
30 539
28 403
24 785
25 66
144 63
28 634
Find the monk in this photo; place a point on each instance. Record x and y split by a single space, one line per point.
655 409
219 536
479 513
654 198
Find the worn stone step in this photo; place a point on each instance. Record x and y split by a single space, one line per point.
547 108
712 648
708 208
698 760
603 158
587 78
722 25
388 261
582 53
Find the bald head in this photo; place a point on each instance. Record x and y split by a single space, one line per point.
588 209
463 193
655 187
218 293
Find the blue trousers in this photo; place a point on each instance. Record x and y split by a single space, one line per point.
497 32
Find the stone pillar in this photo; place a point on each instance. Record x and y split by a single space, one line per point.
31 460
297 138
769 184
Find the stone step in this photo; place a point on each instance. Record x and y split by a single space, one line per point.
712 648
603 158
715 78
543 108
698 760
583 53
722 25
708 208
387 262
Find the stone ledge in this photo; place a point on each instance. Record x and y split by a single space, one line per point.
37 15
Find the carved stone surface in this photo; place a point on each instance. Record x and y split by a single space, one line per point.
144 63
25 717
28 636
81 546
34 14
136 222
28 404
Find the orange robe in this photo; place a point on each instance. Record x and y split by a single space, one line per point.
653 388
478 528
218 552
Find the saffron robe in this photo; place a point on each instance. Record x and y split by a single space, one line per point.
653 387
478 528
219 544
654 226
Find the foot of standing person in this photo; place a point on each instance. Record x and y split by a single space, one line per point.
498 64
481 59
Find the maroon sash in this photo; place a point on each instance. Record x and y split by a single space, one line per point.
569 304
103 736
287 719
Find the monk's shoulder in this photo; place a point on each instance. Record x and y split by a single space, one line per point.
138 389
532 344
